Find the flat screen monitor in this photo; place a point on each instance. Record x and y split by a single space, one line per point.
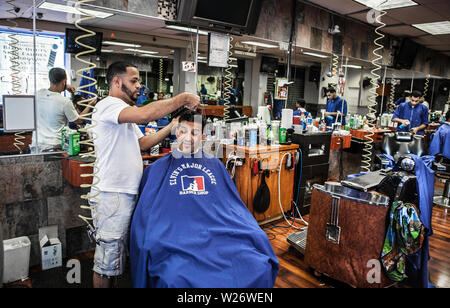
234 15
93 41
268 65
406 54
19 113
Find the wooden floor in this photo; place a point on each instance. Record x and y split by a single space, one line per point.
295 273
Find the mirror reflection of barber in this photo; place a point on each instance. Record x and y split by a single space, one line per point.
336 108
411 116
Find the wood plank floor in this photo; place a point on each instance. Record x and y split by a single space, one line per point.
295 273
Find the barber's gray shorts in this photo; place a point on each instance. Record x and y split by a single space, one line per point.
112 224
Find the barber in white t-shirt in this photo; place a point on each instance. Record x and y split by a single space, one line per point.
54 111
119 163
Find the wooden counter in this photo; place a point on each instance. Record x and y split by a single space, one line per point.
247 184
219 110
377 137
7 143
338 142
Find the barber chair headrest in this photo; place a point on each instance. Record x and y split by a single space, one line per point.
442 165
402 143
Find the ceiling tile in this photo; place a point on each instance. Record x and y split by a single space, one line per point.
403 31
433 39
342 6
385 19
415 15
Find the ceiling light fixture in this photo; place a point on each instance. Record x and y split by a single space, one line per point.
259 44
435 28
142 51
191 30
107 50
73 10
386 5
121 44
314 54
351 66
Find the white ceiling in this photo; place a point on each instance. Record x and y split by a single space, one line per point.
399 21
150 31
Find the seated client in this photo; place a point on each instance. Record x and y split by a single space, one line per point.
190 227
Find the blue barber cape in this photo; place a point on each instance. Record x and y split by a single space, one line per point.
441 141
417 266
336 105
417 116
191 229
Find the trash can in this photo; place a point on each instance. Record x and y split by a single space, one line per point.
1 256
16 259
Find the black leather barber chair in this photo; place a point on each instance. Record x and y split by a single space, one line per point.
441 167
399 144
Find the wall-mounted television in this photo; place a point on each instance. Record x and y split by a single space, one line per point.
268 65
74 47
220 15
404 59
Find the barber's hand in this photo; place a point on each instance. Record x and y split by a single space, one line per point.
191 101
414 130
405 122
70 89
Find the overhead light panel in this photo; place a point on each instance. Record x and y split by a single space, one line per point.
72 10
435 28
185 29
152 56
259 44
121 44
318 55
351 66
386 5
142 51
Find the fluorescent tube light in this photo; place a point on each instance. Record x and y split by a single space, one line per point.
351 66
152 56
314 54
386 5
142 51
107 50
191 30
259 44
435 28
72 10
121 44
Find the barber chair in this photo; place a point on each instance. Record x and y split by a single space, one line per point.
348 223
398 144
441 166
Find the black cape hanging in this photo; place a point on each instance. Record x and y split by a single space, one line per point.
261 201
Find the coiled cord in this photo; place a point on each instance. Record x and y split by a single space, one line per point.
427 84
227 84
366 160
161 69
86 103
391 107
15 71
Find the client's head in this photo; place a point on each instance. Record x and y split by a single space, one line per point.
189 131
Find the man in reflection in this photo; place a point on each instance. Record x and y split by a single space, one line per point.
412 116
54 111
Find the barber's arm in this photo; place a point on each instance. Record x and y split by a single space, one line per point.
158 109
92 102
424 125
150 141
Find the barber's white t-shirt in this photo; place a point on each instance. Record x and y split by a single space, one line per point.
54 111
119 161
